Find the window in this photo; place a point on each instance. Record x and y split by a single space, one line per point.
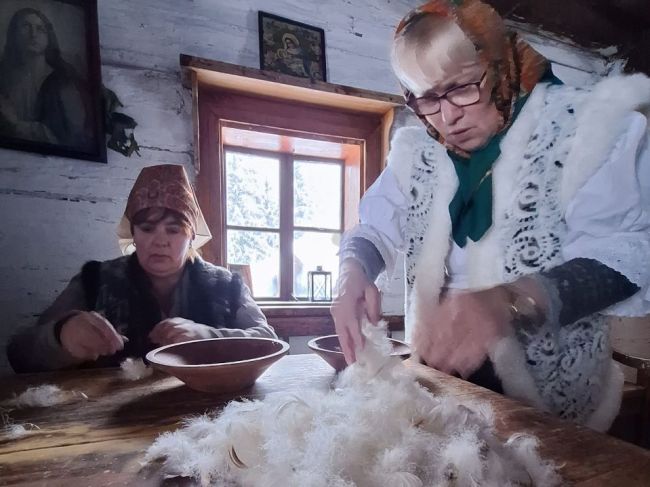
282 163
284 217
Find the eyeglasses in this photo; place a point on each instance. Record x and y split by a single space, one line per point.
461 96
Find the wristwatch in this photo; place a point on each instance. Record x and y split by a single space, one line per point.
523 308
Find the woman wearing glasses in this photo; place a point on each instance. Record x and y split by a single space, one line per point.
520 212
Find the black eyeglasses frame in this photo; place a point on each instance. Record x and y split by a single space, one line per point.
411 100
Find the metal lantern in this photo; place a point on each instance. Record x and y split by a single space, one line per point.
320 285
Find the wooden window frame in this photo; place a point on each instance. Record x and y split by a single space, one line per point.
217 106
224 93
287 226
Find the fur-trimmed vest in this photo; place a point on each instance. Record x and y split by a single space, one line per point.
120 290
551 150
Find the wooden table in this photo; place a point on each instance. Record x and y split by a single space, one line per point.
101 442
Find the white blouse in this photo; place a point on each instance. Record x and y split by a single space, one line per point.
608 219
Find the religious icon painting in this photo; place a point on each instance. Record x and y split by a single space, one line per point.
291 47
50 78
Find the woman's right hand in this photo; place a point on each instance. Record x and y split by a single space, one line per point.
357 298
87 335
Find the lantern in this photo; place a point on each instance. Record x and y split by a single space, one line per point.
319 285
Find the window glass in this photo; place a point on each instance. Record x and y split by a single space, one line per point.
317 194
310 250
261 251
253 190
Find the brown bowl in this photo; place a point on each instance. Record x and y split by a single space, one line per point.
329 348
218 364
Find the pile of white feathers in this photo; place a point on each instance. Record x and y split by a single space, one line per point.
377 428
42 396
48 395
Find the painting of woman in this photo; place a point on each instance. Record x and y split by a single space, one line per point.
48 95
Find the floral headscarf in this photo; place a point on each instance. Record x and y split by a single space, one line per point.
514 68
163 186
513 65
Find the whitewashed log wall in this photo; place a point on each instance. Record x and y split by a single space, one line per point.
58 213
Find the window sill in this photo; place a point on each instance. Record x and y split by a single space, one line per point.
278 309
309 319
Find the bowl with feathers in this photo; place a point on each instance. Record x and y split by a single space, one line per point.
329 349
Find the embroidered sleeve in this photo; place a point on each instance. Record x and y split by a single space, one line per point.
364 252
581 287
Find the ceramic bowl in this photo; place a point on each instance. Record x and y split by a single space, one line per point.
218 364
329 348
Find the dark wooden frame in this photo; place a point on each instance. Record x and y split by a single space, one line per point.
98 154
287 226
216 107
224 94
260 18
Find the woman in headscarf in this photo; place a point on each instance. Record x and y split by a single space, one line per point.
42 97
160 294
519 208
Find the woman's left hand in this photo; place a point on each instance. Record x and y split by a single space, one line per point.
462 330
176 330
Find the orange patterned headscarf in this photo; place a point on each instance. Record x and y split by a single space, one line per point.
514 66
163 186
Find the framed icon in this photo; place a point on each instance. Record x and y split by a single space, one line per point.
291 47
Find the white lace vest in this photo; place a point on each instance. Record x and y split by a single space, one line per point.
546 157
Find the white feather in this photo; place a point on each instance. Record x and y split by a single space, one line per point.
16 431
43 396
377 428
13 431
135 369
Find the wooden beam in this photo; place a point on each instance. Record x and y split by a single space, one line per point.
590 23
277 85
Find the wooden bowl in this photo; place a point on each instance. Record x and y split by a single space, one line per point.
218 364
329 348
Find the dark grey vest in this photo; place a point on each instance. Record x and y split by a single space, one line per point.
120 290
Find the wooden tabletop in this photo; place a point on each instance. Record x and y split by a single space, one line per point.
101 442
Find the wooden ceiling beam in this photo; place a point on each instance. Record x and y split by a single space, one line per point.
590 23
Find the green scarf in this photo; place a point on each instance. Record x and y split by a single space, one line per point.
471 208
